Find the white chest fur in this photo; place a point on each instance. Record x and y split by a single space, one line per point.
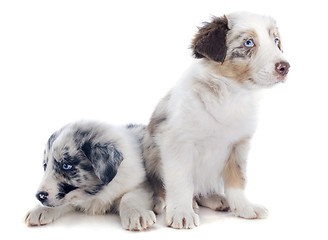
211 120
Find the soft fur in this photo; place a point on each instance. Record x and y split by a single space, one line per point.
197 141
95 168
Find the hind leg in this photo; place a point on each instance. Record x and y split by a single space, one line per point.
217 202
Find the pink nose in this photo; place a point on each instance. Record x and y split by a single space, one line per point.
282 68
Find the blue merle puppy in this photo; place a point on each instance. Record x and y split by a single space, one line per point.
95 168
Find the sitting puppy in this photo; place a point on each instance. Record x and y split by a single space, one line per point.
94 168
199 134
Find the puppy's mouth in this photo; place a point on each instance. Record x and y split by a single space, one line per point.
276 82
270 82
54 204
48 205
280 78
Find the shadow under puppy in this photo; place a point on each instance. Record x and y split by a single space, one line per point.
94 168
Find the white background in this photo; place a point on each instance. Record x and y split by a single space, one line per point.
62 61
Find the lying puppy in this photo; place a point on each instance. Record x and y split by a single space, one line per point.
94 168
199 134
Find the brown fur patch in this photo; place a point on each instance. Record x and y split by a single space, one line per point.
210 41
240 37
233 171
236 70
239 71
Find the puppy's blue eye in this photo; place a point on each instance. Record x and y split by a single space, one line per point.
249 43
66 166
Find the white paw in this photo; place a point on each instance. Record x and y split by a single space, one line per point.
40 216
242 207
182 219
137 220
251 211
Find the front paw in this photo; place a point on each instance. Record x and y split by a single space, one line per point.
40 216
182 219
251 211
137 220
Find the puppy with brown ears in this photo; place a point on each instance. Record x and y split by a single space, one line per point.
197 141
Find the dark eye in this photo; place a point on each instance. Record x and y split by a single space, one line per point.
276 41
44 166
249 43
66 166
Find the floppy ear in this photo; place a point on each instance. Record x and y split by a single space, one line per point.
210 41
105 159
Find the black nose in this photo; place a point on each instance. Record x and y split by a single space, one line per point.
42 196
282 68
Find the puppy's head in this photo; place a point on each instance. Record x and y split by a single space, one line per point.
78 162
244 47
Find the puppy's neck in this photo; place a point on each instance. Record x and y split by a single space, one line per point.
212 75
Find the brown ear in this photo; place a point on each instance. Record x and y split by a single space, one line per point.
210 41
